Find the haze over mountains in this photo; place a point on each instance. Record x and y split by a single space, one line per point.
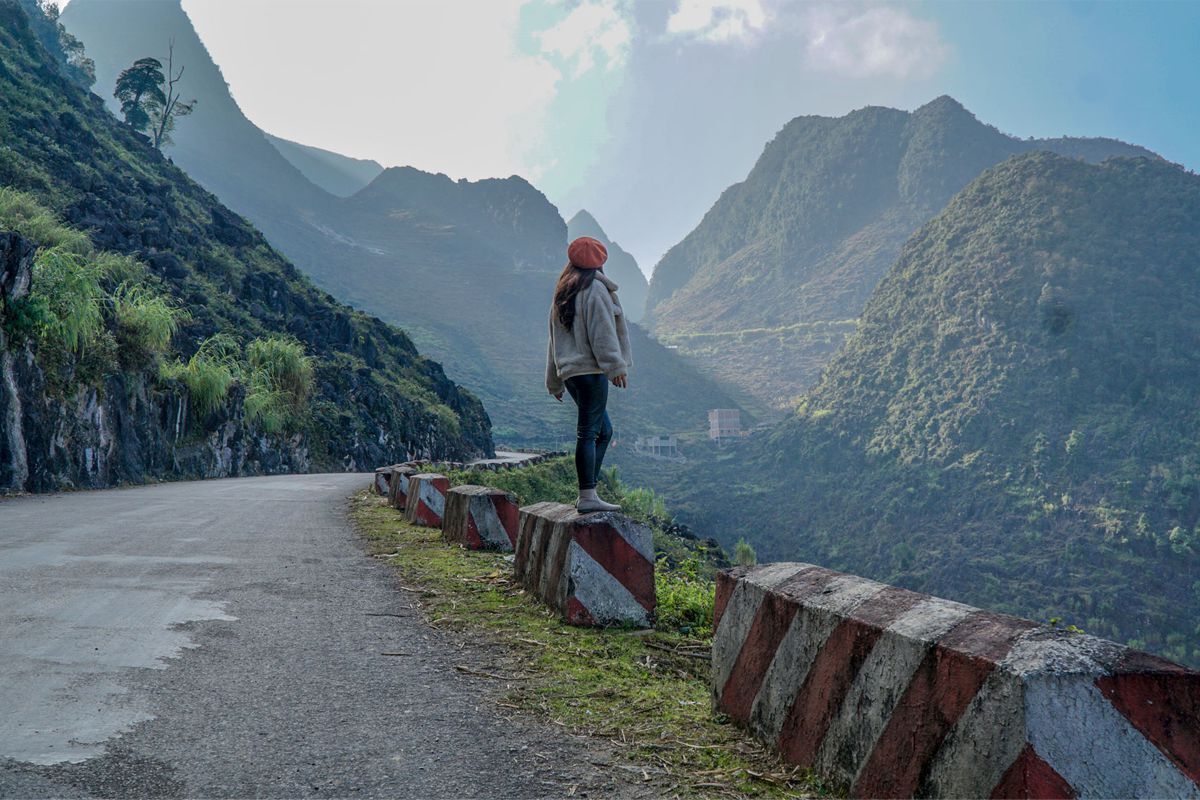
766 285
466 268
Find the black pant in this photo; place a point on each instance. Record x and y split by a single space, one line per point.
593 430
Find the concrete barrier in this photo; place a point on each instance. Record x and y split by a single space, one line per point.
480 518
398 477
426 499
380 482
593 569
898 694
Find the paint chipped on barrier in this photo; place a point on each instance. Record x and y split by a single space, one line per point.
593 569
398 478
899 694
481 518
426 501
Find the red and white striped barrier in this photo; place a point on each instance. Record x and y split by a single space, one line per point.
426 501
593 569
398 478
380 482
480 518
898 694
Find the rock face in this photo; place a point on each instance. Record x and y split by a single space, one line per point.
127 431
897 694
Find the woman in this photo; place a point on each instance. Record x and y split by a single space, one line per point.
589 347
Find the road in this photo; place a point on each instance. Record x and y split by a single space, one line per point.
220 639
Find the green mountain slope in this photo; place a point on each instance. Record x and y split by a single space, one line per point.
819 219
466 267
335 173
622 267
375 397
1015 422
216 146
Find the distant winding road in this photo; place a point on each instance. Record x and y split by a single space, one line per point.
218 639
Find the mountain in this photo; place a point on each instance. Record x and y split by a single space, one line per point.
1014 424
483 257
622 267
803 241
335 173
217 145
465 267
374 398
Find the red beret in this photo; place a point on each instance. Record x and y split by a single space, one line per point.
587 253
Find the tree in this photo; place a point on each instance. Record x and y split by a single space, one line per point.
61 45
149 98
173 105
139 89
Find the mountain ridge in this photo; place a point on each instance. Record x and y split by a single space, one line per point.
821 216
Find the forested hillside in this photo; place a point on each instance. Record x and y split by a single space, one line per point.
373 397
1015 422
465 267
782 264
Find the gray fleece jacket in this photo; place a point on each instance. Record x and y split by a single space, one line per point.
598 342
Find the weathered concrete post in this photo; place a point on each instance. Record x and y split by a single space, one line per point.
593 569
899 694
398 477
380 481
426 502
480 518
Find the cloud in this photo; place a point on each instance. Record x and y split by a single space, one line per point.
593 34
881 41
718 20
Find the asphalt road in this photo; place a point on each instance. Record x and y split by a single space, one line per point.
220 639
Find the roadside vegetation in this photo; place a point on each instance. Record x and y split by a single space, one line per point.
645 693
92 313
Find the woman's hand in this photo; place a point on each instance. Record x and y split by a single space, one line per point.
621 381
558 396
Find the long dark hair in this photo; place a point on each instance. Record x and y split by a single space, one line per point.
571 282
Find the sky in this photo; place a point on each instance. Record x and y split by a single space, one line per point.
644 111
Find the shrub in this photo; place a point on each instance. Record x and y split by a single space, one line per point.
280 364
685 599
208 374
70 287
644 504
743 554
280 382
147 320
267 409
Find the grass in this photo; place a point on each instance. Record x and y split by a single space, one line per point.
149 318
644 693
280 383
208 374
